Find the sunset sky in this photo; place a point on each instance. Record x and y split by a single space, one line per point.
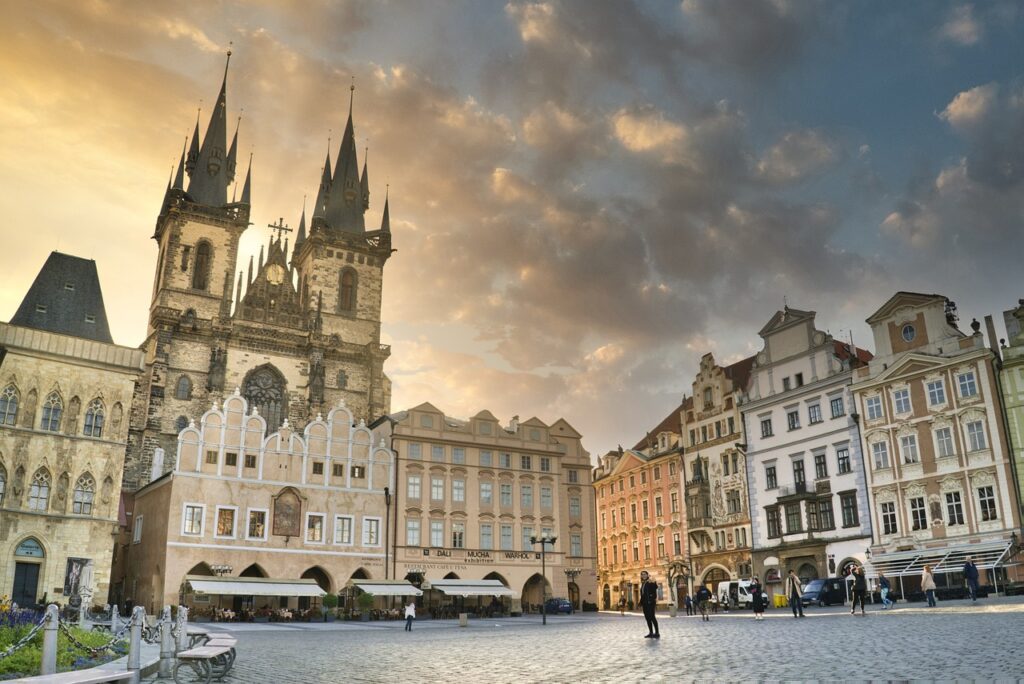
586 196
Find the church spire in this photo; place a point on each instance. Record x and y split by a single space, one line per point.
179 177
302 226
233 152
320 207
385 222
364 183
247 186
209 184
344 205
193 150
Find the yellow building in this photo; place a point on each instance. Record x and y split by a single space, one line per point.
471 494
65 389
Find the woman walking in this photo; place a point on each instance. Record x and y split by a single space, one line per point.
860 588
757 597
883 583
928 585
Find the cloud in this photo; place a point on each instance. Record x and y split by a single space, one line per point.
961 26
796 156
970 108
646 130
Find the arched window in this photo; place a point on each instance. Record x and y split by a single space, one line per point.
181 423
52 408
8 405
265 390
3 484
183 388
201 272
347 293
85 489
94 419
342 379
39 492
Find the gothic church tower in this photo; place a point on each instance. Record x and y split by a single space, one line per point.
296 334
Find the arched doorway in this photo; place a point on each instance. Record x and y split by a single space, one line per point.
245 603
807 572
606 597
28 563
201 569
535 590
574 596
713 576
360 574
317 574
451 575
254 570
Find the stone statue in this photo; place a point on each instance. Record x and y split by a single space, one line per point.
218 366
316 378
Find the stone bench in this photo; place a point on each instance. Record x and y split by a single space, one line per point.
207 662
88 677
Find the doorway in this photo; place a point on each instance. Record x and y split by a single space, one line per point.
26 584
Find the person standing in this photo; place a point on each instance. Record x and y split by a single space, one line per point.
649 601
971 575
928 585
410 615
757 597
689 605
795 594
883 584
703 598
860 588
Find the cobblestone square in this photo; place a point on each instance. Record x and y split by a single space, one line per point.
955 641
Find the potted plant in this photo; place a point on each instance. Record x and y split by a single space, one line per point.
365 601
329 605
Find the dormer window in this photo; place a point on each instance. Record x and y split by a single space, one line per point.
40 308
70 287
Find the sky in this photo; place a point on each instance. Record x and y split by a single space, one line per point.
585 196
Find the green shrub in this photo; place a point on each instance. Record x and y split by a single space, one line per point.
26 662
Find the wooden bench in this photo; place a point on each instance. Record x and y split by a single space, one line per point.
207 662
88 677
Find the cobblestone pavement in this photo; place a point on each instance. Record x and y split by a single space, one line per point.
956 640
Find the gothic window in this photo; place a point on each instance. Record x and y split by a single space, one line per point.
39 492
265 390
8 405
347 295
342 379
201 272
94 419
85 489
52 409
183 388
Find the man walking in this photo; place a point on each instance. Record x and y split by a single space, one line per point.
971 575
795 594
649 601
410 615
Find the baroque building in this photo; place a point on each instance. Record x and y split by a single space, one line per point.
715 475
938 463
809 508
65 392
298 331
1011 379
640 518
470 495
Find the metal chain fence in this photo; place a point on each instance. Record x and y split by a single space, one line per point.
21 643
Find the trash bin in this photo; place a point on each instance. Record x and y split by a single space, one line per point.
781 601
463 619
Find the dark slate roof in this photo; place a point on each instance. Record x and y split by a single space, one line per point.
739 373
671 423
65 292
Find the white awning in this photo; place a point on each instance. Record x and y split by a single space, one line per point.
458 587
386 588
251 586
986 555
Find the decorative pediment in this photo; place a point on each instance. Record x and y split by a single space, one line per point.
914 490
983 478
786 318
900 302
911 364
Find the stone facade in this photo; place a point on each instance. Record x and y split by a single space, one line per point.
471 493
937 459
715 475
294 504
809 506
63 430
1012 381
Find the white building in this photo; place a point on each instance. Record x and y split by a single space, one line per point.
805 474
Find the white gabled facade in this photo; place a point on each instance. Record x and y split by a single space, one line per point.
805 474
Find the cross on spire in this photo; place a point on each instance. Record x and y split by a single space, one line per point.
280 227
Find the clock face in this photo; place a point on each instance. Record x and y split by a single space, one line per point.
275 275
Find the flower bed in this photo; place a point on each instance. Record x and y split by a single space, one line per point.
26 662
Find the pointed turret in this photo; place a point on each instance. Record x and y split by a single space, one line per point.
385 221
364 183
209 181
344 205
248 281
193 150
247 186
232 153
261 258
238 297
179 177
320 208
302 226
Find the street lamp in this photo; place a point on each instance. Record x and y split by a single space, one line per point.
543 540
570 578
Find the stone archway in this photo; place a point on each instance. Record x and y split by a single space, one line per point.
535 590
714 575
201 569
254 570
323 580
807 572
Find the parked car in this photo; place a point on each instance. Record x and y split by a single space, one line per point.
557 605
824 592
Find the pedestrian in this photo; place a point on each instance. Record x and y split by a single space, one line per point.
689 605
703 599
714 603
971 575
860 588
410 615
757 597
928 585
649 601
795 594
883 583
622 605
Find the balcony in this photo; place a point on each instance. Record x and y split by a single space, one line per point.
696 523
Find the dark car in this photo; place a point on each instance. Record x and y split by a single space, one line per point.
824 592
557 605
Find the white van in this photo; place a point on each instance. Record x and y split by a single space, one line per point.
735 594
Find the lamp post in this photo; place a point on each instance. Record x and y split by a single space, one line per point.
570 578
543 540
